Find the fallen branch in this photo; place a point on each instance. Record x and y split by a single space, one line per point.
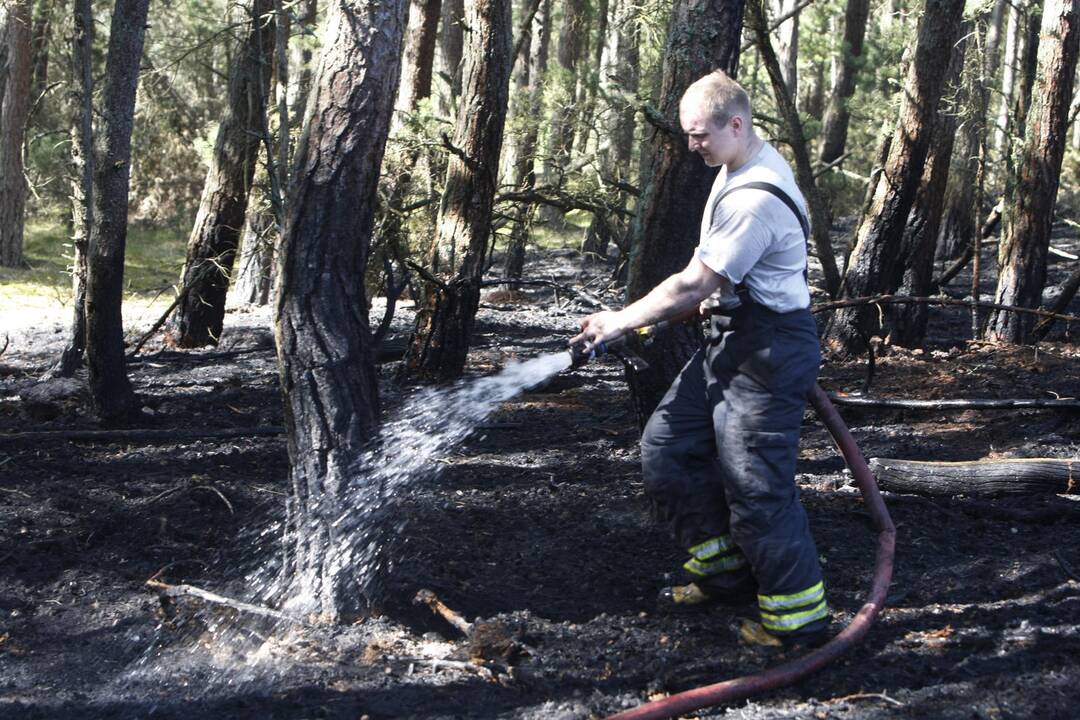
902 299
139 434
580 294
866 696
957 404
173 591
427 597
987 478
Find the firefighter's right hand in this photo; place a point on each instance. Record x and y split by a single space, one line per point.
600 327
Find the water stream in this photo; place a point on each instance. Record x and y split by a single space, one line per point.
235 648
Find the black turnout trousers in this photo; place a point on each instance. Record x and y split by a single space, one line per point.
718 456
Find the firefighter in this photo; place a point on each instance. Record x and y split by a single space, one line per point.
718 454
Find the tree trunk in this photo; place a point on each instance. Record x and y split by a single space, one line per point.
1028 60
321 313
110 391
419 58
451 47
962 213
804 171
562 98
14 108
1009 63
254 273
531 83
835 123
907 323
873 268
702 35
215 238
82 177
1031 192
788 46
39 48
444 322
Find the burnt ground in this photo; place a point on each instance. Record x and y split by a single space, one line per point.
537 523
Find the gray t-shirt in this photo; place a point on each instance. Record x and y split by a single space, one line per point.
752 237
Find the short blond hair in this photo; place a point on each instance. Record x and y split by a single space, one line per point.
721 96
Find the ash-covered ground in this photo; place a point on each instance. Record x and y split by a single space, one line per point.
536 529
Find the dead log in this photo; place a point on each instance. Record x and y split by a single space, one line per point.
137 434
985 478
957 403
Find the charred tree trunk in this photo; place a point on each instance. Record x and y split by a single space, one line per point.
1031 192
531 83
14 108
110 390
985 478
321 314
907 323
82 174
835 123
804 171
444 322
873 268
215 238
702 35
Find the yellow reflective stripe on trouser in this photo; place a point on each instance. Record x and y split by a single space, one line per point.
720 554
812 594
712 548
724 564
794 621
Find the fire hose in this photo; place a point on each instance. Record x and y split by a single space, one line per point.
790 672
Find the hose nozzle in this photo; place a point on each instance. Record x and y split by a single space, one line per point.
582 353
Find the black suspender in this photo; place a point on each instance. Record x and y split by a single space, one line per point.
784 197
774 190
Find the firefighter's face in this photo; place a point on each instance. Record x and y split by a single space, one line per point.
716 143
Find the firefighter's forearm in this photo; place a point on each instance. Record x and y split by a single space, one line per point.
675 295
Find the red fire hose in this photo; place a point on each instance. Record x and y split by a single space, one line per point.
790 672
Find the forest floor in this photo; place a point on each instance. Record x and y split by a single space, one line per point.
537 524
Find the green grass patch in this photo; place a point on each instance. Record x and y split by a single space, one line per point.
153 258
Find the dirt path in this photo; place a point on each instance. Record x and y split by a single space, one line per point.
538 524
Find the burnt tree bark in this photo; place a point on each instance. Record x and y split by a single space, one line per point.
837 115
1031 192
440 342
82 177
804 171
110 390
873 268
14 108
321 314
907 323
702 35
530 82
962 213
214 240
